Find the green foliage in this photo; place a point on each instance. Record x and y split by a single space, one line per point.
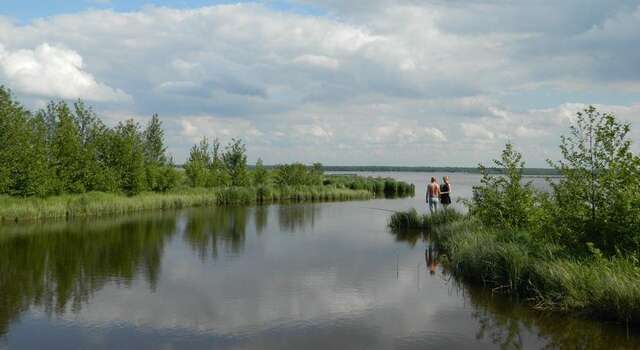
598 198
198 165
260 174
160 173
295 174
100 203
544 273
381 187
24 167
153 144
503 200
67 150
205 167
128 157
411 219
316 174
235 163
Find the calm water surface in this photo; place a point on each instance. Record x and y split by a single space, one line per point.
312 276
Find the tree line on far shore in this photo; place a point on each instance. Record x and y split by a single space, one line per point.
65 148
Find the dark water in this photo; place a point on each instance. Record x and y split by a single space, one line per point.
311 276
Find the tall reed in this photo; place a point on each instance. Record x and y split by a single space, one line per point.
545 274
100 203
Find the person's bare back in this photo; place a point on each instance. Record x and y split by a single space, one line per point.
433 190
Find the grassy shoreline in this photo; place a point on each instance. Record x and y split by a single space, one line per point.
545 275
16 209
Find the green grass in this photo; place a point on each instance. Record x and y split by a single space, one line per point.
546 275
411 219
99 203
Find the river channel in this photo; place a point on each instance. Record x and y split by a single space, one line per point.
289 276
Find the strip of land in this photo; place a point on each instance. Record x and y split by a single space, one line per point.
542 273
18 209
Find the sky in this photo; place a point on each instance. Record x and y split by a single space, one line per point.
375 82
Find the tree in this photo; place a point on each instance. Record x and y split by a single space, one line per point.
12 119
235 162
154 148
67 150
91 129
24 165
597 199
295 174
218 175
128 157
316 174
260 174
503 200
197 167
159 174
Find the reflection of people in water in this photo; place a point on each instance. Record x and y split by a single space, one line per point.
431 255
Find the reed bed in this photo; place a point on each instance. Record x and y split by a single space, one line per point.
544 274
411 219
100 203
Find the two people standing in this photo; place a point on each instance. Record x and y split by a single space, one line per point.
438 194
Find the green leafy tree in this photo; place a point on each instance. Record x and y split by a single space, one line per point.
12 138
37 173
197 167
598 197
91 129
260 174
159 173
316 174
67 150
128 157
154 147
295 174
218 175
235 163
24 165
503 200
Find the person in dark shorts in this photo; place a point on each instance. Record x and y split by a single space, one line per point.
445 192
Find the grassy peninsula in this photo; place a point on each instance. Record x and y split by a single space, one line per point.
576 249
63 161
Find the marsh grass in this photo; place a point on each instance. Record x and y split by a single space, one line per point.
411 219
546 275
100 203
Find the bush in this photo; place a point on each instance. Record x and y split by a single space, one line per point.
598 197
503 200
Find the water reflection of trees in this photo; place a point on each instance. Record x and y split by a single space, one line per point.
208 230
504 321
297 217
59 266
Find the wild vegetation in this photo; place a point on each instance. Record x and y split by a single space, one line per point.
63 161
574 249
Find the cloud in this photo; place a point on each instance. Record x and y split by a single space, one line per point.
318 61
477 131
196 127
378 82
53 71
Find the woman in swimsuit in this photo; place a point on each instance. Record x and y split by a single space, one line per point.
445 192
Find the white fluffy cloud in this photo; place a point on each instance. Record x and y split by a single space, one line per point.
373 82
53 71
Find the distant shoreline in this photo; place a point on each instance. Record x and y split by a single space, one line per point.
421 169
471 170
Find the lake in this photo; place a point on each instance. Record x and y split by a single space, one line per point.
291 276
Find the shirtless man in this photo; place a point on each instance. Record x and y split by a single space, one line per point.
433 193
